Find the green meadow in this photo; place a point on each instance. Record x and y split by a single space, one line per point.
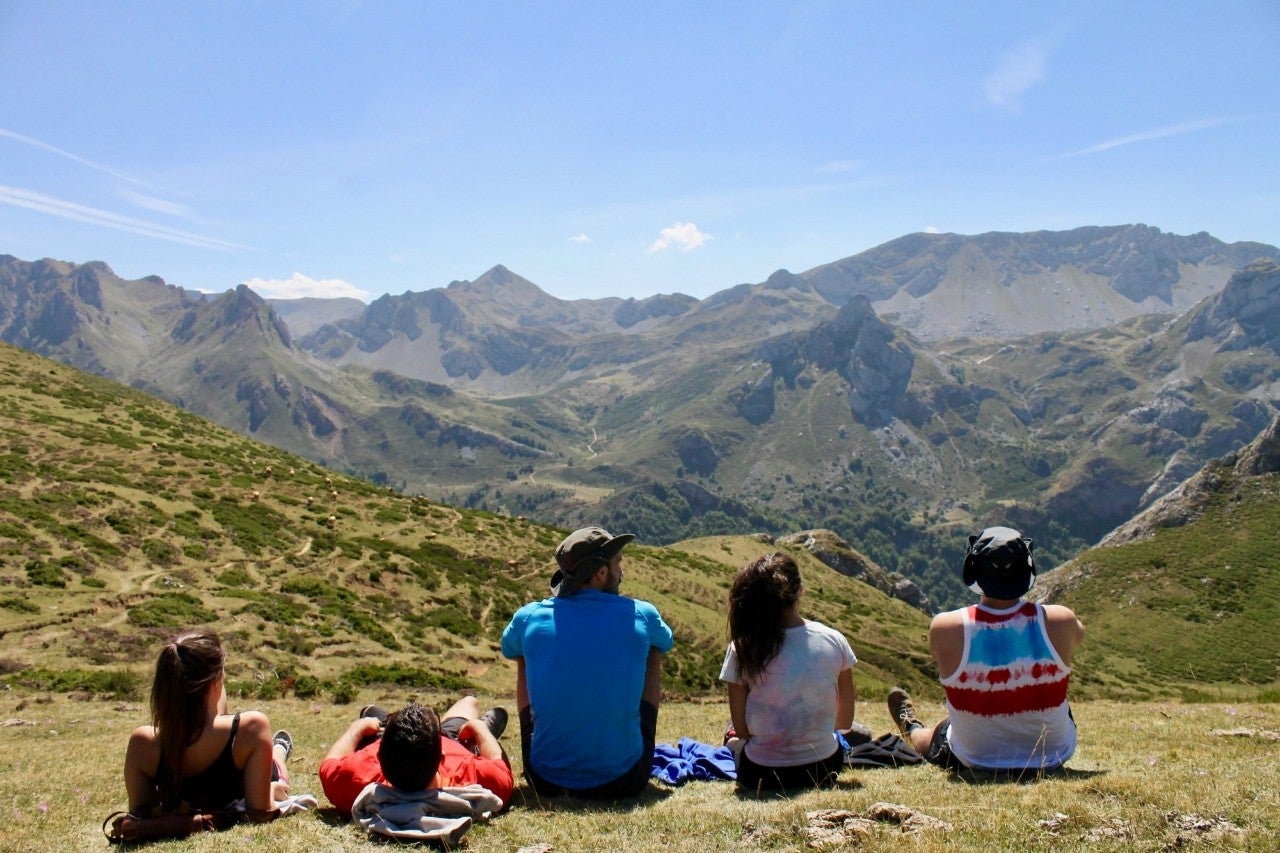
123 519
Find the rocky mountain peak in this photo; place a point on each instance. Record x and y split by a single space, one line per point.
785 280
1006 285
1246 313
839 555
1188 501
242 307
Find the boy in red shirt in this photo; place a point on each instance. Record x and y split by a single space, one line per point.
412 750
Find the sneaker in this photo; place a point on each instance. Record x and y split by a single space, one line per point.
378 712
284 741
903 712
496 720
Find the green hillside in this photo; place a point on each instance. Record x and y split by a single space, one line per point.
1192 609
122 517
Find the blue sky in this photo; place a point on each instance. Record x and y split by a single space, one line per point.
610 149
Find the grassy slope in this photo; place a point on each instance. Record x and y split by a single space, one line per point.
1193 606
123 517
86 497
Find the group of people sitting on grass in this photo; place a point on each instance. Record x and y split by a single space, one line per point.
588 687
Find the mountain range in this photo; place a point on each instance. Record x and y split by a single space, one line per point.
1057 381
123 518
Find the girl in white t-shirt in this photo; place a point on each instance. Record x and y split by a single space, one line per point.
790 682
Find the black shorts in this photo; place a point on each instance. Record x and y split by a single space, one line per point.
452 726
629 784
815 774
939 751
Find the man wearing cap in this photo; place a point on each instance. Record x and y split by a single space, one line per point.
1004 663
588 675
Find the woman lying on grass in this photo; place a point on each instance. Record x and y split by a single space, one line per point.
790 682
196 754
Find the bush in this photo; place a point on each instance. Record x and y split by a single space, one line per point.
344 693
116 683
235 576
171 610
306 687
19 605
159 552
404 676
46 574
454 621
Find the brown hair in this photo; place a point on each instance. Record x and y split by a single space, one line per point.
409 753
762 591
188 666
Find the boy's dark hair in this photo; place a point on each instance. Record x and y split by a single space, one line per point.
410 748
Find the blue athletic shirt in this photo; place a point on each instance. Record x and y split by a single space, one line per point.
585 659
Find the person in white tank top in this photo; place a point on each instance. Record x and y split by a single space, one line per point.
1005 664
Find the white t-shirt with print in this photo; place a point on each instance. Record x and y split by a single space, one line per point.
791 708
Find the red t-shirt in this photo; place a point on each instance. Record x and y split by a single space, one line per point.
344 778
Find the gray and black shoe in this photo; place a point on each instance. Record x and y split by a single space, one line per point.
496 720
378 712
903 711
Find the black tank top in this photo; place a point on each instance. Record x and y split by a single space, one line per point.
215 787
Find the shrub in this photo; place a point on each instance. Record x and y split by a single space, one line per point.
159 552
454 621
235 576
404 676
46 574
344 693
170 610
117 683
307 687
253 527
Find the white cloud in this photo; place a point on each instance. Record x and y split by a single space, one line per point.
932 229
299 286
579 238
1019 70
42 203
837 167
1146 136
684 236
75 158
159 205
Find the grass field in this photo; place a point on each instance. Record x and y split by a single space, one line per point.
1147 776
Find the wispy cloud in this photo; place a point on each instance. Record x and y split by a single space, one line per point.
75 158
159 205
931 229
1145 136
1018 71
838 167
579 238
42 203
684 236
299 286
